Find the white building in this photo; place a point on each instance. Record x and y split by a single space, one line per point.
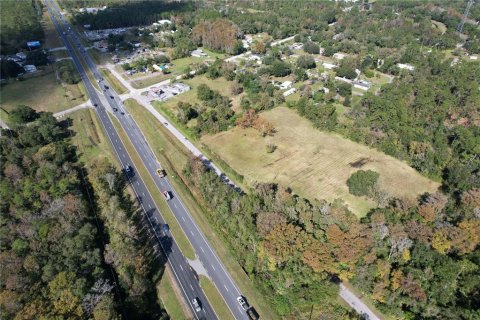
473 57
29 68
21 55
164 21
329 66
167 91
362 85
289 92
286 85
406 66
198 53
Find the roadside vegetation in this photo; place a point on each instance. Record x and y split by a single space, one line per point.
76 264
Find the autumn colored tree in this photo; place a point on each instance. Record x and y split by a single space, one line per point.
220 35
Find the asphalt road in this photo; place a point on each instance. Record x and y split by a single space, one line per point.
184 274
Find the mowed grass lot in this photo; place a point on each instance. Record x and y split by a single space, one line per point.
89 138
113 81
220 84
313 163
42 92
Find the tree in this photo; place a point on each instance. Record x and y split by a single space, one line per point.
10 69
236 88
306 62
22 114
204 93
258 47
311 47
221 34
362 183
280 68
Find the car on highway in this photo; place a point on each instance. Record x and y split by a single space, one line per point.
196 304
115 109
106 87
243 303
161 173
167 195
128 169
121 112
111 97
95 104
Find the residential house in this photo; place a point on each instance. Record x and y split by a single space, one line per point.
198 53
289 92
405 66
286 85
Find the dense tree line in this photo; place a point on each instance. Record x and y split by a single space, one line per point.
55 264
218 35
418 260
428 118
124 13
52 263
19 22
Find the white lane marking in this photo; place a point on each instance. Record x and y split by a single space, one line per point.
181 267
213 267
143 193
191 232
201 248
175 205
225 288
138 184
183 218
191 287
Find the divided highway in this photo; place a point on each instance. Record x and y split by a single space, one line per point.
185 276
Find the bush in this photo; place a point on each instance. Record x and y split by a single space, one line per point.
22 114
306 62
204 93
311 47
362 183
280 69
271 148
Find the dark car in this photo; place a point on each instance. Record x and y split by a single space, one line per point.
111 97
115 109
95 104
106 87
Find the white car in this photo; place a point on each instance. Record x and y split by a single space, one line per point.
243 303
196 305
167 195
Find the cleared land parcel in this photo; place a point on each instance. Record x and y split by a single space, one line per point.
314 164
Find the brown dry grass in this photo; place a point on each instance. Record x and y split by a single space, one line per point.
313 163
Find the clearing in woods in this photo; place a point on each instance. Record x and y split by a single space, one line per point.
313 163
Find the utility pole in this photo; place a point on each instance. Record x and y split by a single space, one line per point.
465 15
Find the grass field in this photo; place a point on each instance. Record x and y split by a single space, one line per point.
173 156
170 296
215 299
89 137
219 84
440 26
52 39
114 82
42 92
148 81
313 163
